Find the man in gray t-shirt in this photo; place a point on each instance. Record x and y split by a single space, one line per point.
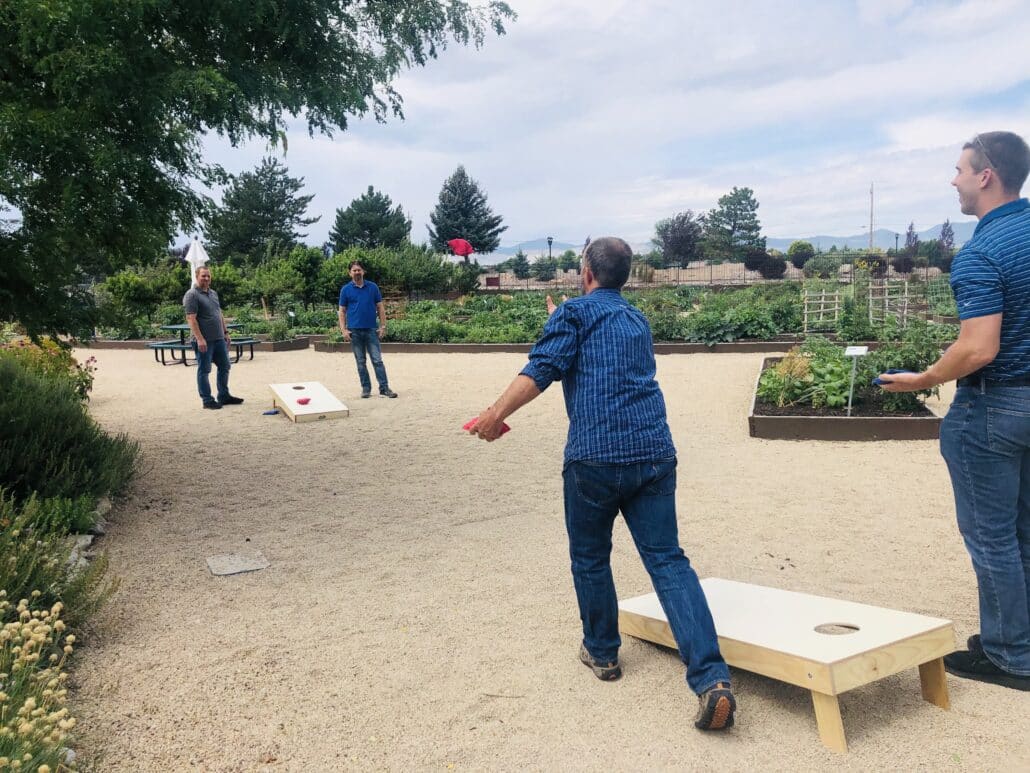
210 340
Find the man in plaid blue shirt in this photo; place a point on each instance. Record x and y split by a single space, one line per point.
619 457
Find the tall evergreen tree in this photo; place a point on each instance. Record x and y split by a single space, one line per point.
462 213
732 228
260 213
371 220
947 237
911 240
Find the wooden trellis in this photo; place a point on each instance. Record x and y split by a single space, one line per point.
822 309
889 299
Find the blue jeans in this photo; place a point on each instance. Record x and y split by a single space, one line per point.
985 439
217 352
645 492
366 340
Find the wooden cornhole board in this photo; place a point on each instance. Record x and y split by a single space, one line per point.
321 405
774 633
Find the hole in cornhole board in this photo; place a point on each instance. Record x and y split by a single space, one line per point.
836 629
298 387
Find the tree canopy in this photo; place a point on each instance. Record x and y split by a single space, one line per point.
679 238
462 213
370 220
732 228
260 213
800 252
102 106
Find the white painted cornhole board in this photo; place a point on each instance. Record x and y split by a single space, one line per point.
322 405
773 632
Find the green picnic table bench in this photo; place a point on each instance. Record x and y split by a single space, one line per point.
179 350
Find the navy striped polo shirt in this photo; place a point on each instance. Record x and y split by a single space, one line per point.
991 275
600 348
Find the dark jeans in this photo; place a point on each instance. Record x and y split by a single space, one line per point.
218 353
646 494
366 340
985 439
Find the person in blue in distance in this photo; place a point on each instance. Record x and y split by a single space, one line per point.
360 304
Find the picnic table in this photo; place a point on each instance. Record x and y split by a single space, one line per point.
179 349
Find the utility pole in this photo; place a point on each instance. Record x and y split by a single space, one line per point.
870 217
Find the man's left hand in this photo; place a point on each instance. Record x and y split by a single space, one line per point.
904 382
382 331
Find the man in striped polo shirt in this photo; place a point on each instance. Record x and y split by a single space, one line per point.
985 438
619 456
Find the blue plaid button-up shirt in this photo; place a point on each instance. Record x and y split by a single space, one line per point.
600 348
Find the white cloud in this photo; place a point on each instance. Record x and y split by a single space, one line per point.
601 117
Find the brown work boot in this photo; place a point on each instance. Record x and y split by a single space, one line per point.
715 708
606 672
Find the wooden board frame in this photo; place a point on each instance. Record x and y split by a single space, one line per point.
892 642
323 405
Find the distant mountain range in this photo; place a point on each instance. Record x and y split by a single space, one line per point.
882 238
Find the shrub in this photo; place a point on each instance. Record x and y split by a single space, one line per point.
751 321
903 264
755 258
53 361
279 330
50 444
773 268
800 252
823 266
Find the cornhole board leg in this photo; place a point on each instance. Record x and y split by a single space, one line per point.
827 646
828 721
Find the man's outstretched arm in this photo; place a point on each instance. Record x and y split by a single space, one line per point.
519 392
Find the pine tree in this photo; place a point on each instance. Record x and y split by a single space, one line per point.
259 216
462 213
911 240
947 237
519 265
370 221
732 228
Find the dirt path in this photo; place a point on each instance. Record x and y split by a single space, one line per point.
418 613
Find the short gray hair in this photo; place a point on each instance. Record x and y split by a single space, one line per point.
610 259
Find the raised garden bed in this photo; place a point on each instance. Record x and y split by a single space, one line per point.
867 422
300 342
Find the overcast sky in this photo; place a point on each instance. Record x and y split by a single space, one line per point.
602 117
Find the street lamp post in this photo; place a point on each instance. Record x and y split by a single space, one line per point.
896 235
550 239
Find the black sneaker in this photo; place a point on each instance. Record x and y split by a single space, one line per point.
976 665
606 672
974 644
213 405
366 393
715 708
387 392
230 400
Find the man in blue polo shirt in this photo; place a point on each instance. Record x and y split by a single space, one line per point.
985 438
619 457
360 302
